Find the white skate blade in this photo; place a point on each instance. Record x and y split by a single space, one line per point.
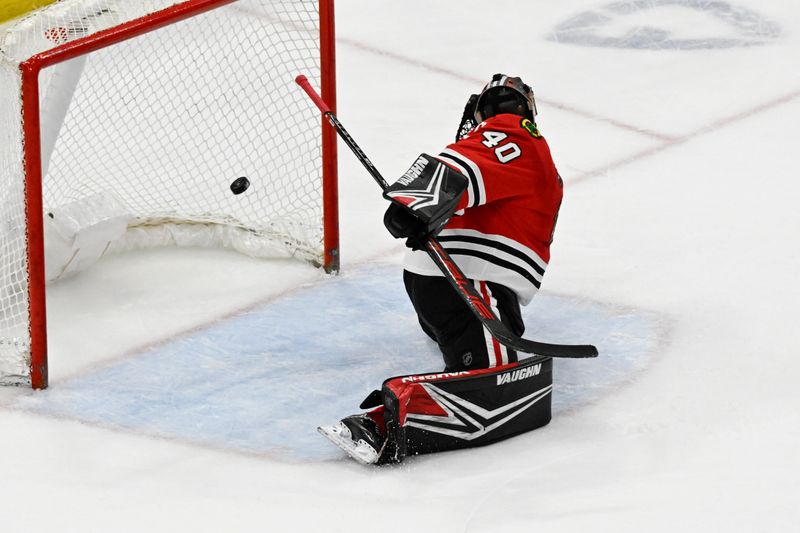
340 435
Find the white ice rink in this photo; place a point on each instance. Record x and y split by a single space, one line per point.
186 384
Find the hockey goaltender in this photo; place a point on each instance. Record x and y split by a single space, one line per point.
492 199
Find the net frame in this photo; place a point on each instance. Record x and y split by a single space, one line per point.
29 71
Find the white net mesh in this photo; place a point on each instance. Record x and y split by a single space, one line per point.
14 334
163 123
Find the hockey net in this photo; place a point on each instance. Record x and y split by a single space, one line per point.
124 124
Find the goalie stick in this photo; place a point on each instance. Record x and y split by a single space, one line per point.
449 268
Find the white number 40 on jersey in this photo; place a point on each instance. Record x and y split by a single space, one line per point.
504 152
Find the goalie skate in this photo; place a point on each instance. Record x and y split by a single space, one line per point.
357 439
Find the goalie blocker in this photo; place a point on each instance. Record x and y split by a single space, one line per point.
438 412
423 200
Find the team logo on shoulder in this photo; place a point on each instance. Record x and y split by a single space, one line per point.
531 128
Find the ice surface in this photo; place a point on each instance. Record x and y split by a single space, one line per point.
261 381
677 237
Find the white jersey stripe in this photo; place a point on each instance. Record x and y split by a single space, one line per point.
471 189
504 242
466 163
474 268
499 254
486 257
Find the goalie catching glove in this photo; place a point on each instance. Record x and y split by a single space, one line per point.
423 200
468 121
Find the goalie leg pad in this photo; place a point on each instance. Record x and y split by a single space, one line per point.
430 413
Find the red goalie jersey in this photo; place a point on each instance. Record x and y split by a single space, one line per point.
503 226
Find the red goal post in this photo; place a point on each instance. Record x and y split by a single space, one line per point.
304 225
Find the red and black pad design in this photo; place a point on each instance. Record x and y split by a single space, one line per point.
430 413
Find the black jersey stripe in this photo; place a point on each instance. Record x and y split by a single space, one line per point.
476 191
510 250
489 258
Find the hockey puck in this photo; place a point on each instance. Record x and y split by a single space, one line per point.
240 185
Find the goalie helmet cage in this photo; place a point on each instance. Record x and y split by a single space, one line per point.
167 102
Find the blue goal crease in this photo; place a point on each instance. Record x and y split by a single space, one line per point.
262 381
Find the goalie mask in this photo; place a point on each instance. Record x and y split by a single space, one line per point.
505 94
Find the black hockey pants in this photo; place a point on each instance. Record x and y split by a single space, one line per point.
464 342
